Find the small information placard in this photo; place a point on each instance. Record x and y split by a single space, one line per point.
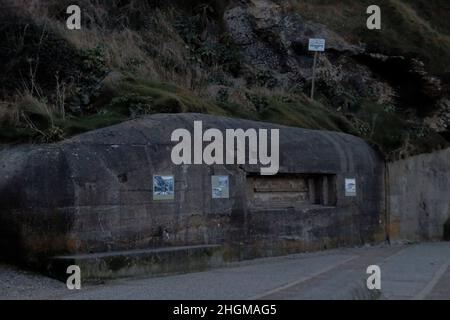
350 187
316 45
163 187
220 187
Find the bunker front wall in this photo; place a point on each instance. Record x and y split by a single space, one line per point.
95 193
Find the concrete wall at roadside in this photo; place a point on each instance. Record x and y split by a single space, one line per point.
419 196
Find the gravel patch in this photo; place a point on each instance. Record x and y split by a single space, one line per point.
17 283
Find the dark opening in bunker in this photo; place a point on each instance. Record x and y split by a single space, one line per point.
291 190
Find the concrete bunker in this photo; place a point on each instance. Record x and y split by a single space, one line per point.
92 196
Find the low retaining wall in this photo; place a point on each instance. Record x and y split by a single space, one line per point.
419 196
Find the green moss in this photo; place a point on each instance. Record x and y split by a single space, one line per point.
291 110
301 112
83 124
155 97
237 111
13 135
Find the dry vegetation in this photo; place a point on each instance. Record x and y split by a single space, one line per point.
136 57
110 44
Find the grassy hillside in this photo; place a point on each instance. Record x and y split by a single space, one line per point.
133 58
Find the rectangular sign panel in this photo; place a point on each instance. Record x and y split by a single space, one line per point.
220 187
350 187
316 44
163 187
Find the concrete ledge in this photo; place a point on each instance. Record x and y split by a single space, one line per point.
135 263
183 259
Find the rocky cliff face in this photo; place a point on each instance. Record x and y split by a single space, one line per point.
273 40
274 44
371 84
244 58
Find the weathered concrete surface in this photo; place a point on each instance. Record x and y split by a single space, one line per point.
136 263
419 196
93 194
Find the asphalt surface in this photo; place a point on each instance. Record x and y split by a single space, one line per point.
419 271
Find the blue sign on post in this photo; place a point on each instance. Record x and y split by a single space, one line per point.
316 45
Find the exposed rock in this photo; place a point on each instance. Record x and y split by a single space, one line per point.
440 120
276 41
274 44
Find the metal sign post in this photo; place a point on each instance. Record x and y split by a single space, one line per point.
314 75
315 45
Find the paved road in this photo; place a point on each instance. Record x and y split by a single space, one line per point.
419 271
